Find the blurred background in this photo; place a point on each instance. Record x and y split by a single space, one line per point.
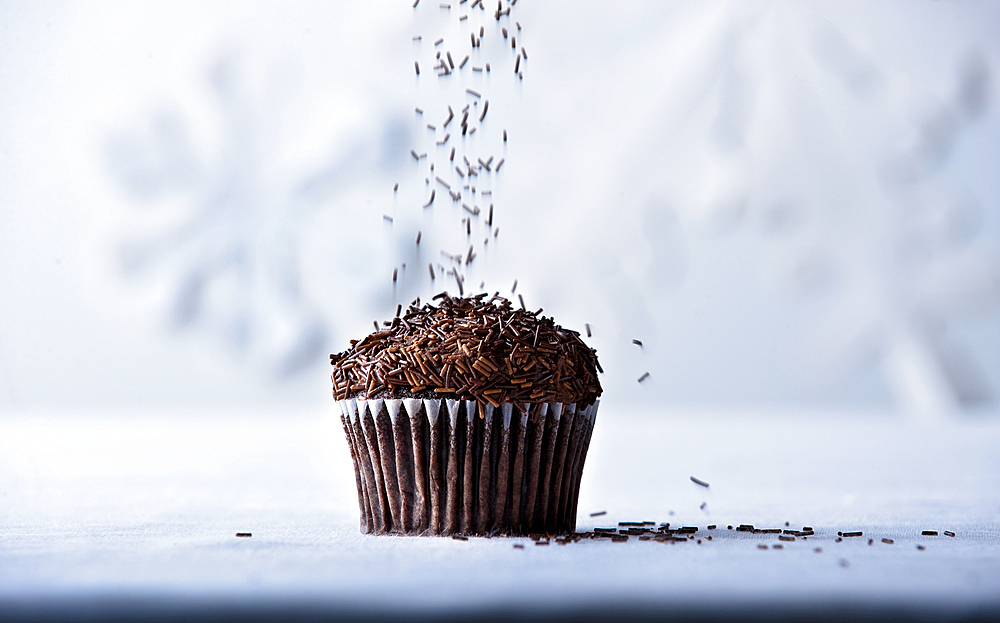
791 205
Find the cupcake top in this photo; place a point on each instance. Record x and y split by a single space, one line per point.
470 348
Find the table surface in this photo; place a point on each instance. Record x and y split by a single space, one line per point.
107 515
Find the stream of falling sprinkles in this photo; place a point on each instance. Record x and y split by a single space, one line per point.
460 59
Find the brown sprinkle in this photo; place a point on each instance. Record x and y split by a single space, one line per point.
474 347
644 376
698 481
244 534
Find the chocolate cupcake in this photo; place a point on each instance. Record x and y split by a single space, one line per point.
469 417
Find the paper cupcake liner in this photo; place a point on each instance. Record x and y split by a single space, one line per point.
442 467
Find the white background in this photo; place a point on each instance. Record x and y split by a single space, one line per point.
789 204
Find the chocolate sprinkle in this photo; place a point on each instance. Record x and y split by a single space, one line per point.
472 349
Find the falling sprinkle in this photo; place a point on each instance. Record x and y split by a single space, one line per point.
699 481
644 376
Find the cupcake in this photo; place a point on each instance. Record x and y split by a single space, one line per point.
468 417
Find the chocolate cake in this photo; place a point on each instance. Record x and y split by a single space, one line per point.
468 417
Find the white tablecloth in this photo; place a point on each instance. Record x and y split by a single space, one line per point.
120 514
